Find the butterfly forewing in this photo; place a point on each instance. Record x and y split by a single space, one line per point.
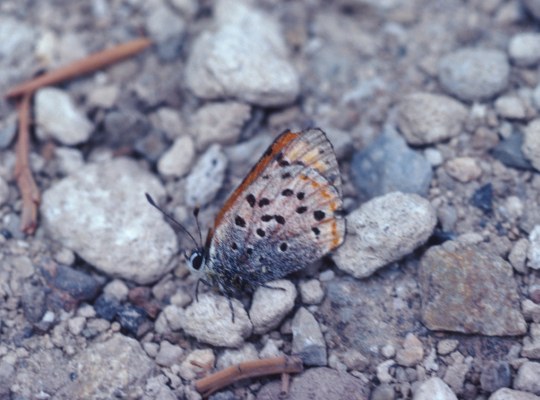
284 219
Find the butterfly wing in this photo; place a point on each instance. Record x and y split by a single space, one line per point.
285 215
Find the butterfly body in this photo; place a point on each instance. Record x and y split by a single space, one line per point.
286 214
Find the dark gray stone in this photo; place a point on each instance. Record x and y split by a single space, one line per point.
389 165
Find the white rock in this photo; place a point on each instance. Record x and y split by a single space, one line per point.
426 118
510 107
219 122
383 371
100 212
464 169
116 289
533 254
270 306
518 255
308 340
195 363
527 377
206 177
524 49
434 389
229 357
245 57
76 325
168 354
509 394
210 321
270 349
531 142
311 292
178 160
446 346
57 117
383 230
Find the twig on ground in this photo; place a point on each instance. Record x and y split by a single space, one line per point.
25 181
249 369
80 67
285 384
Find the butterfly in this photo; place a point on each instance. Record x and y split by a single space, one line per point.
286 214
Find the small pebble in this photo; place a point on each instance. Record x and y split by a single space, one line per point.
533 254
527 377
4 191
510 107
531 143
196 362
434 388
270 306
524 49
57 117
446 346
229 357
411 353
116 289
462 73
311 291
464 169
206 177
168 354
76 325
518 255
178 159
308 340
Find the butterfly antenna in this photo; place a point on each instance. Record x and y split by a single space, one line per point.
196 215
170 218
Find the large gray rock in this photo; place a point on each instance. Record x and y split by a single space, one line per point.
459 279
244 57
100 212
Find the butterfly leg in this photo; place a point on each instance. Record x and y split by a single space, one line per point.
197 287
232 309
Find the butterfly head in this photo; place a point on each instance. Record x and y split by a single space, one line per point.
196 261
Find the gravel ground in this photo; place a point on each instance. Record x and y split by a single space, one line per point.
434 112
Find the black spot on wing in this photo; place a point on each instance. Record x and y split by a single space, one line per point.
251 200
239 221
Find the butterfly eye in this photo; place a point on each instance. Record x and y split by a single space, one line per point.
196 260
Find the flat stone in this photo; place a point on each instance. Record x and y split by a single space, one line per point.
378 168
206 177
308 340
82 212
178 159
57 117
426 118
474 74
510 107
451 276
509 152
244 57
210 321
319 384
219 122
270 306
524 49
384 230
434 388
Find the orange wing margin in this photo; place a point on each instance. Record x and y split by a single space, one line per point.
281 141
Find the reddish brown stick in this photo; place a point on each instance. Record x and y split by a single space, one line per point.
25 181
249 369
80 67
